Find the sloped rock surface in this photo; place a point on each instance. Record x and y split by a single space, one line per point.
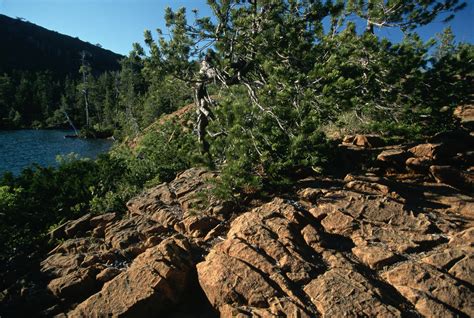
433 292
279 252
371 247
155 279
74 285
465 114
397 242
261 262
343 291
138 264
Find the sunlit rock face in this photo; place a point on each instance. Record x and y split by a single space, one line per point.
389 241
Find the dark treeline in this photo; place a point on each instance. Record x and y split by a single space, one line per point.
114 102
40 100
41 73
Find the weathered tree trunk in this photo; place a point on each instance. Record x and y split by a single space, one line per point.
203 103
70 122
134 123
85 89
86 102
369 27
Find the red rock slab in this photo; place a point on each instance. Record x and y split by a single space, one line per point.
423 285
156 280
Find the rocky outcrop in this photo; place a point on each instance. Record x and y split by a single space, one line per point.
155 280
377 246
344 253
260 268
276 262
366 141
465 115
141 263
393 240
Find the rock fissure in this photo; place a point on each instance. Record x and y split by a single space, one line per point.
288 287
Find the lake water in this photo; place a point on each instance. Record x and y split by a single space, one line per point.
21 148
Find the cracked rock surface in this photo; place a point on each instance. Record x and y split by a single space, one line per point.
397 242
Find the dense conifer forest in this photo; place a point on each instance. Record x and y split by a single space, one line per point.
39 74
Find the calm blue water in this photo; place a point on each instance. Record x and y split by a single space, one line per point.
21 148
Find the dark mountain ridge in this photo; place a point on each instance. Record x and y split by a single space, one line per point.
30 47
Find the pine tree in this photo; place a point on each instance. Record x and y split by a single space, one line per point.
404 14
282 78
446 44
84 87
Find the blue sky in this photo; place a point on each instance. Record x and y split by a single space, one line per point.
116 24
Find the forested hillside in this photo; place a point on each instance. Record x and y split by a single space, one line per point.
29 47
39 73
50 80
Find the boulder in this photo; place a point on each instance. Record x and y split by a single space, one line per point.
458 261
465 115
393 157
342 291
419 164
199 226
338 222
464 268
189 181
169 203
368 141
217 272
60 264
425 150
123 234
261 261
151 200
360 220
107 274
156 280
73 255
453 177
74 286
167 217
438 152
375 256
433 293
79 226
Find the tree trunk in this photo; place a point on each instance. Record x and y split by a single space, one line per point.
203 101
70 122
86 102
369 27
